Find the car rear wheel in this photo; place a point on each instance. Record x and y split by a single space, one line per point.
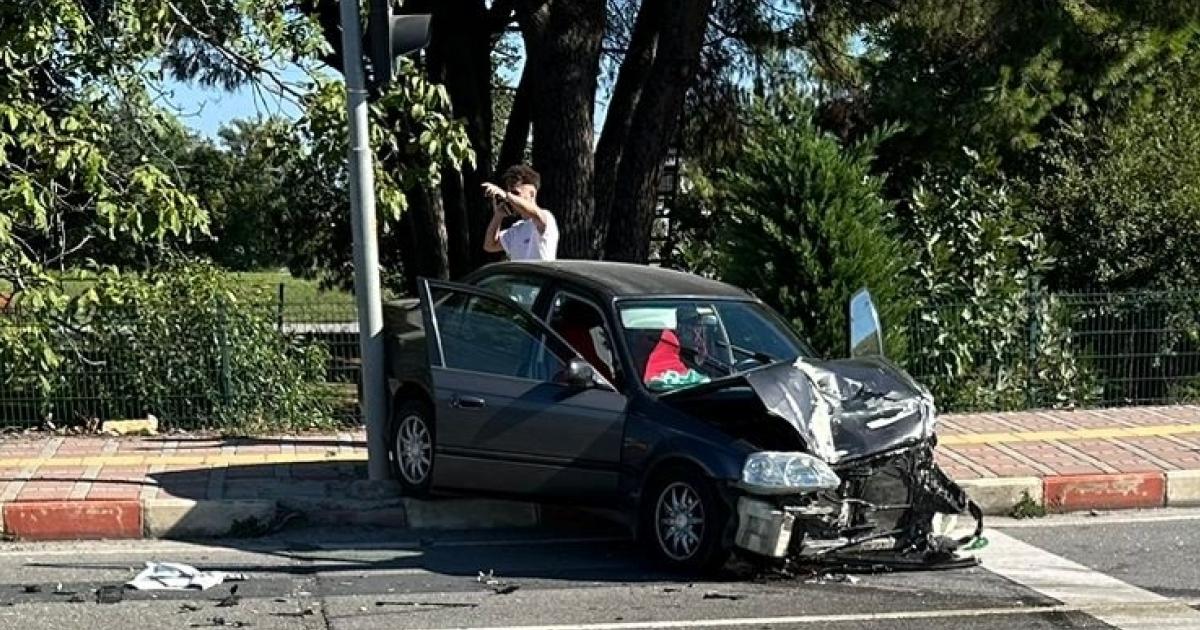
412 447
684 521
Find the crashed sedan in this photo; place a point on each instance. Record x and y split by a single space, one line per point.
685 403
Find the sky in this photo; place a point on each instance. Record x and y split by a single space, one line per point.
206 109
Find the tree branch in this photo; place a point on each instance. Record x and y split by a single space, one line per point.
246 65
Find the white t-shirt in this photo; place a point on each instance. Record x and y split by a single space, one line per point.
523 241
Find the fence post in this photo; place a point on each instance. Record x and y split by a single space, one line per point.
1033 298
279 309
223 343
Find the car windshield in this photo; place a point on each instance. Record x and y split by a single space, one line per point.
682 343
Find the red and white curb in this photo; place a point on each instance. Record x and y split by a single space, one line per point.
1075 493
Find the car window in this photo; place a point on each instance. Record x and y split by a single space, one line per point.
581 324
522 290
678 343
483 334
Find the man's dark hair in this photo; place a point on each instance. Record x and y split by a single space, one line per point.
518 174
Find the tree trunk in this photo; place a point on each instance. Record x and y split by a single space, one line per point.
654 126
516 130
567 63
459 57
635 69
429 233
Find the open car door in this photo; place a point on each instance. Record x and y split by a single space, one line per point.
509 416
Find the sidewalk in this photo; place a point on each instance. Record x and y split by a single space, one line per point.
170 486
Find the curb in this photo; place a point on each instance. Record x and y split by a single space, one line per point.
381 505
186 518
1074 493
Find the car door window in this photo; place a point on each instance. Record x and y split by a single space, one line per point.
523 291
581 324
487 335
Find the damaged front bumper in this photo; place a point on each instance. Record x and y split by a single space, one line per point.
887 513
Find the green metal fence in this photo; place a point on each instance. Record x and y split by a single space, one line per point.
1060 350
1030 351
194 369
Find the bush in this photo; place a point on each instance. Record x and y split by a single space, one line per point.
179 344
986 336
802 223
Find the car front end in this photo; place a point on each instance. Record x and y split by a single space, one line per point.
855 481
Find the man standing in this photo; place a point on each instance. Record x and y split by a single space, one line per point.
535 234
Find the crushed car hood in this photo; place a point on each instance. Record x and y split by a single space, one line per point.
844 409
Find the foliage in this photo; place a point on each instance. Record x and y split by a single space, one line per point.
995 75
177 343
803 225
1119 195
986 337
413 136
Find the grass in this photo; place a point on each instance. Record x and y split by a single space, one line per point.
1027 507
303 300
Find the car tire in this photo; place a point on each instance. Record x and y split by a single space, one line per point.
684 521
412 445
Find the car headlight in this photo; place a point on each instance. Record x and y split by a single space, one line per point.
771 472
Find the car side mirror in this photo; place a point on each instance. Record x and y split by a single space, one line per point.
866 335
580 374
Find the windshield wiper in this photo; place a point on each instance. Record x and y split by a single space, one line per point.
761 357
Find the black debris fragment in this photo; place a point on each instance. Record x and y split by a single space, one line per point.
232 600
221 622
720 595
32 588
498 586
110 594
188 607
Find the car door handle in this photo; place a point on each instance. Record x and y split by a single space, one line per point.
467 402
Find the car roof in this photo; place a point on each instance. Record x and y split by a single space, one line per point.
622 279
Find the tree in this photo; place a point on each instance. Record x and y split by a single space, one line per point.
1119 196
802 223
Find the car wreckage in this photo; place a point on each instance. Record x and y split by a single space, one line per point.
685 403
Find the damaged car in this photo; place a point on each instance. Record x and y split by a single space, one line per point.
685 403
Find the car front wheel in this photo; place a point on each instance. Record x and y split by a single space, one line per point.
412 447
684 521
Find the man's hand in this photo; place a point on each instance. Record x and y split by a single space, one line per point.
493 191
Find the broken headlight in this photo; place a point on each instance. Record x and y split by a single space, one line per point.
771 472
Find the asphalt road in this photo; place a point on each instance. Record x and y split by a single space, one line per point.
1122 570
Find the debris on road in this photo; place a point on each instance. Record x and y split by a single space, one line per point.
498 586
231 600
720 595
172 576
32 588
188 607
110 594
221 622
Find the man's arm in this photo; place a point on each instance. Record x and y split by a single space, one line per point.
523 207
491 241
530 210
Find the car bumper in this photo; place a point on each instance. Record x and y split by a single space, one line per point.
896 504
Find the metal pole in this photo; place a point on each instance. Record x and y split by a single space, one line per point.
366 251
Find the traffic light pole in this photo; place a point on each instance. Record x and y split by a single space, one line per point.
366 249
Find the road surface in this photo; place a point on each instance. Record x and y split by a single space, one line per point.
1116 570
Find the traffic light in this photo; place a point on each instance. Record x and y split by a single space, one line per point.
392 36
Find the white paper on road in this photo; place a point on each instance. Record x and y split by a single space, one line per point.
172 576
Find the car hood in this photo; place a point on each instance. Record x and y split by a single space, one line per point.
843 409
